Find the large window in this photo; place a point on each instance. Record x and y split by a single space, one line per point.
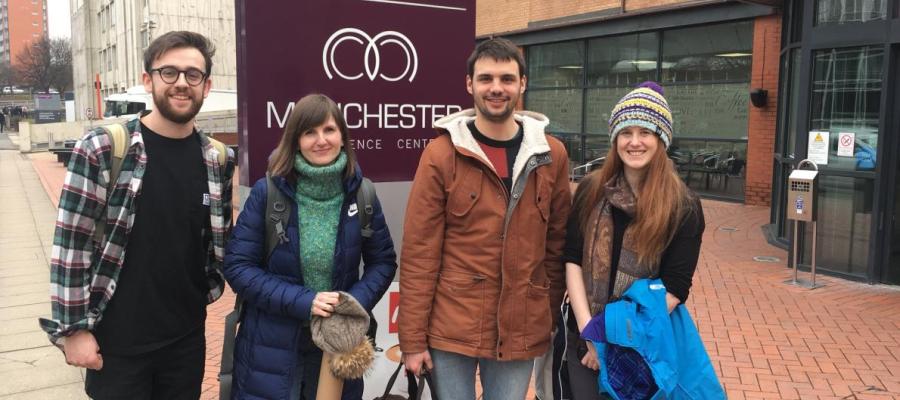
705 72
708 53
849 11
846 98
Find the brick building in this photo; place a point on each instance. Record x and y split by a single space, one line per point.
21 22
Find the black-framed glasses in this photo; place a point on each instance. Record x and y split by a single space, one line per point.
192 76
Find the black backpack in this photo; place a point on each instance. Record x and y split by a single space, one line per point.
277 215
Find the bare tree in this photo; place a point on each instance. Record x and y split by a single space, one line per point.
8 76
34 64
60 64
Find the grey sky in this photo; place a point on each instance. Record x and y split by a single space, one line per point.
58 18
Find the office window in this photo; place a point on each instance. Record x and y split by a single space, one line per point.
556 65
622 60
838 12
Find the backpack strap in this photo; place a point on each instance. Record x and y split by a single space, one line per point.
118 143
365 198
277 216
220 147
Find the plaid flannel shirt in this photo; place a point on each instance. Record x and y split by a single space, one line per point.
83 274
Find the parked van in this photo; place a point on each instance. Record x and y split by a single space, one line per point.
136 99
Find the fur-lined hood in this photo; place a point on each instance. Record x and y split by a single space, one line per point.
534 140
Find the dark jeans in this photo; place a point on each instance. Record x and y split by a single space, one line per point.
172 372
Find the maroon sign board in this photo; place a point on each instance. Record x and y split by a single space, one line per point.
393 66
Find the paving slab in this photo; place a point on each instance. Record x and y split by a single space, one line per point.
25 340
20 325
31 379
71 391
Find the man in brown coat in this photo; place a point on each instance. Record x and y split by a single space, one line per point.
481 268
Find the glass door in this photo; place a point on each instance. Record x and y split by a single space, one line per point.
890 271
785 156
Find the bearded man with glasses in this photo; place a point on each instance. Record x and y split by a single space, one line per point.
130 304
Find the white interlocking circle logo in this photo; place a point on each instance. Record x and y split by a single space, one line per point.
372 56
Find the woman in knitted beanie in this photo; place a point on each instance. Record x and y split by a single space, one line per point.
632 219
313 273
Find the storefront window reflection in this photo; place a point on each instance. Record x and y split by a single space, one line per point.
562 106
844 222
846 98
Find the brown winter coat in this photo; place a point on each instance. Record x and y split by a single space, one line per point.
482 269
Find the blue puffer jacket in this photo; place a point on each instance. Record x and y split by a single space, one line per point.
669 343
276 301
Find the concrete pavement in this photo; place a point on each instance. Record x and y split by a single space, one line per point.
767 340
30 368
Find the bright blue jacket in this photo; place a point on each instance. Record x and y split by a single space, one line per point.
669 343
277 303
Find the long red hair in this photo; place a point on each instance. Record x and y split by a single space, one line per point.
662 203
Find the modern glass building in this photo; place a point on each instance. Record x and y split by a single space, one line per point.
840 63
709 57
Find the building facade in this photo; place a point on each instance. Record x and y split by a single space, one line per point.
21 23
109 38
709 56
840 64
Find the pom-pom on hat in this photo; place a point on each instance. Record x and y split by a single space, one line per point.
344 335
646 107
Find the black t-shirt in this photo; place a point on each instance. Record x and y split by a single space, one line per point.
161 290
501 153
678 261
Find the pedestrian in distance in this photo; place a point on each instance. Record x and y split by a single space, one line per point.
481 266
140 237
2 121
314 266
632 219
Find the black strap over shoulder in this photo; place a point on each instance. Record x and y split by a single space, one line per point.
365 200
277 216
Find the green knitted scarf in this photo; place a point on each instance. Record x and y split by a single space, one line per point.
320 193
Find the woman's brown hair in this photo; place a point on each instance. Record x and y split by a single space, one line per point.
309 112
662 203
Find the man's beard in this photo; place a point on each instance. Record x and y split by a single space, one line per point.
493 117
165 109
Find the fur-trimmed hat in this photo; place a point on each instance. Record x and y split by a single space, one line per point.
344 335
646 107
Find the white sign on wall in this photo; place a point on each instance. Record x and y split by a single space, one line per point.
845 144
817 147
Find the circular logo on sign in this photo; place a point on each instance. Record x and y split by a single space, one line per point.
371 59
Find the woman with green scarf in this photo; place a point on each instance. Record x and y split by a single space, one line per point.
314 165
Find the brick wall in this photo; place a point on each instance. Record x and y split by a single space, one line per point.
498 16
762 121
